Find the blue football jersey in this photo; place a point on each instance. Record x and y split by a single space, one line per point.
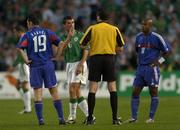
38 43
149 47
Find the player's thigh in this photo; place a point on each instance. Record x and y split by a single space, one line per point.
82 77
23 72
152 76
69 72
36 78
95 68
49 75
139 81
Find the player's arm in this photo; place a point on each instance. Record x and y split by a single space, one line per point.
120 41
55 40
165 52
159 61
62 45
24 56
85 40
11 68
16 62
20 49
80 66
68 39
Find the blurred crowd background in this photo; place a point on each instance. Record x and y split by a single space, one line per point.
126 14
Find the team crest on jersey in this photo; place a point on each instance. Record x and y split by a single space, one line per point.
70 45
76 39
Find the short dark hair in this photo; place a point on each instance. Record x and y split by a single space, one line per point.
33 19
66 18
103 14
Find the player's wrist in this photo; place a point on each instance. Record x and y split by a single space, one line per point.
81 63
161 60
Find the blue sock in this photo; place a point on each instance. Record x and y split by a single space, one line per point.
154 105
134 106
38 108
59 109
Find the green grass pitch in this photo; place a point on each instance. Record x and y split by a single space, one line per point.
167 116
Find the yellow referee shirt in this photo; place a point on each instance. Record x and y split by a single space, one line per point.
103 39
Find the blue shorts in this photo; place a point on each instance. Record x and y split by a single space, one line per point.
43 74
147 76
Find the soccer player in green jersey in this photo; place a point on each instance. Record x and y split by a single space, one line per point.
23 79
76 68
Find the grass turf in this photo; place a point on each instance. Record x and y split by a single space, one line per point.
167 116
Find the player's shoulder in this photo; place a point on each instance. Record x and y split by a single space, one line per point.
156 35
79 32
139 34
91 26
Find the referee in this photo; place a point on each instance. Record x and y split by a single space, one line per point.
104 40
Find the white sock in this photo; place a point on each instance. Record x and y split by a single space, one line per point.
27 101
84 107
72 109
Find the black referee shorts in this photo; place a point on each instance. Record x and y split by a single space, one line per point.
102 65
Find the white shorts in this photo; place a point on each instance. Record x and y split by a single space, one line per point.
71 75
23 72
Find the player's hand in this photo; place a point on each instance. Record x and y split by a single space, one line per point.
119 49
10 69
71 32
155 63
28 62
79 69
55 58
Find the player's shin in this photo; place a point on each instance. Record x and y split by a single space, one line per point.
113 101
38 108
82 103
153 107
134 106
59 109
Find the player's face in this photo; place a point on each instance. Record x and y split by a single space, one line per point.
28 24
17 32
69 24
146 26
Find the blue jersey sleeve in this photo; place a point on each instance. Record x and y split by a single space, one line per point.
163 45
22 42
136 44
54 39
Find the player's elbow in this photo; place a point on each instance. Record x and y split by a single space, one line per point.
119 49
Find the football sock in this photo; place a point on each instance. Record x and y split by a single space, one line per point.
134 106
59 109
82 103
153 107
27 101
20 90
38 108
91 105
113 101
73 107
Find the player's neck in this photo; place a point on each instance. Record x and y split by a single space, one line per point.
34 26
101 21
147 33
